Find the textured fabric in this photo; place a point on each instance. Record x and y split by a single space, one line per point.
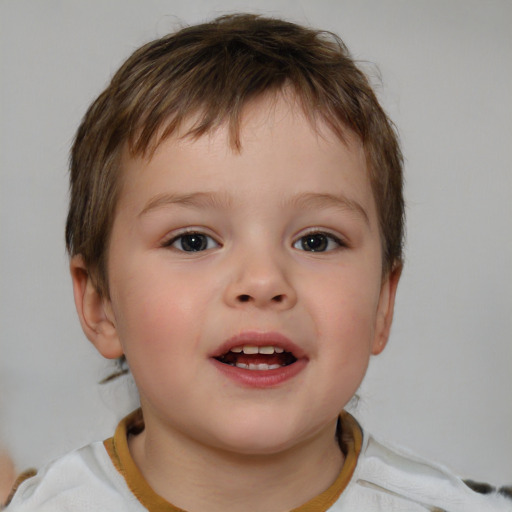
82 481
388 479
375 478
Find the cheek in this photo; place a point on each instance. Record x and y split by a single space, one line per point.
152 309
347 308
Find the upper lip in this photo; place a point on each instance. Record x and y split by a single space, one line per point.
259 339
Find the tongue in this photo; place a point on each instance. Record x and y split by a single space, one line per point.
280 359
260 359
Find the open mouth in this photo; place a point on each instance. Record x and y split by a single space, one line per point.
251 357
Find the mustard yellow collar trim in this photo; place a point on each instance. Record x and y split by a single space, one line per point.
350 440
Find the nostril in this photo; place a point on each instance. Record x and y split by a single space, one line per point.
276 299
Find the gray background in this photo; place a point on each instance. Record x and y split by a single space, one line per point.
442 387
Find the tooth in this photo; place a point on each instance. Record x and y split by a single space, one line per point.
279 350
249 349
237 350
266 350
260 366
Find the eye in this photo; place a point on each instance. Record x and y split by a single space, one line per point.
192 242
318 242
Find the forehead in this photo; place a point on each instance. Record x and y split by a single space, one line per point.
281 150
264 110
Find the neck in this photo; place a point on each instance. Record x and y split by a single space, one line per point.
206 478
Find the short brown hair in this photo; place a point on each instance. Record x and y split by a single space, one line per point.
209 72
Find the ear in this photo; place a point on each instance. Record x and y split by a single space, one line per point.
94 311
386 309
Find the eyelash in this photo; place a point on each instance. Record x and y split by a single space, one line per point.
325 240
181 236
328 238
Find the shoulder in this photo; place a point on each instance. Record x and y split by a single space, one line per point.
388 478
82 480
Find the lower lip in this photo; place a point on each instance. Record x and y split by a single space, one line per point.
261 378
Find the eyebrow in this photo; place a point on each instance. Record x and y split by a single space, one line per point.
304 201
196 200
311 200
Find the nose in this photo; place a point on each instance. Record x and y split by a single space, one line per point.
260 281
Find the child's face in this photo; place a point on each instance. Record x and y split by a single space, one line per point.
275 246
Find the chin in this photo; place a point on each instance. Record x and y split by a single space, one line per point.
261 446
260 437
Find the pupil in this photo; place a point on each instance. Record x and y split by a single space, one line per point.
193 242
314 243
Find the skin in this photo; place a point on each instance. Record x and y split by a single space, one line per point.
7 475
170 310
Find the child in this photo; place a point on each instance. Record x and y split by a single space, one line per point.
235 232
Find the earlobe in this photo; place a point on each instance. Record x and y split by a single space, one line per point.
386 309
94 311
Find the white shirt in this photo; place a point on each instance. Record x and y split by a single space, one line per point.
375 478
